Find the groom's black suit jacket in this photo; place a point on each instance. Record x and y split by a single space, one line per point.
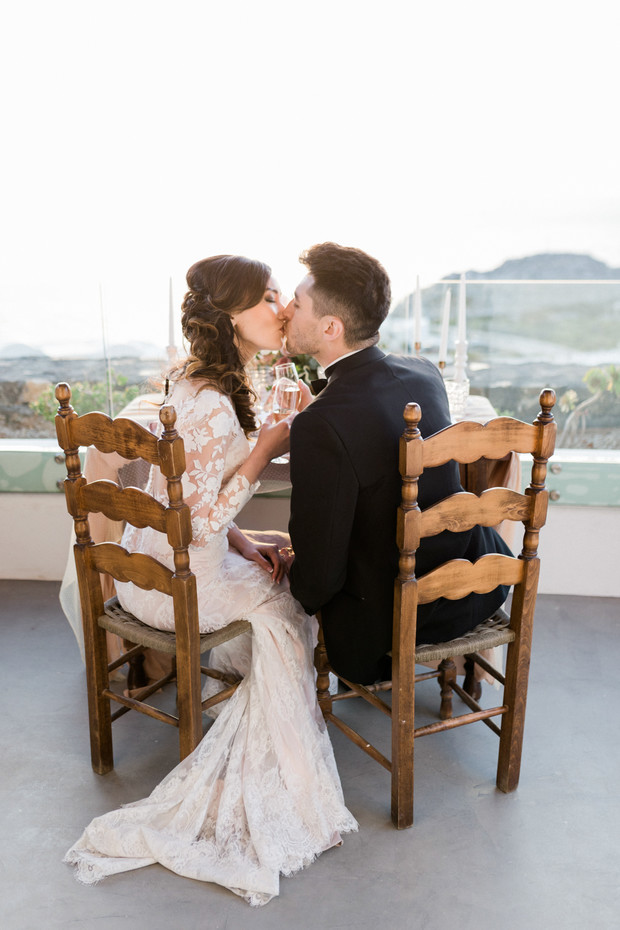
346 491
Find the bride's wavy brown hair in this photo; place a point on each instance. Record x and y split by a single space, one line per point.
218 288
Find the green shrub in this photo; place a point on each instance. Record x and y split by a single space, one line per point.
89 395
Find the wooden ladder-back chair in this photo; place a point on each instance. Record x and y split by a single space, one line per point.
186 644
464 442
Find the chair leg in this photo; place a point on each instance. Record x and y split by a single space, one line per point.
99 713
403 704
511 734
187 666
470 685
447 674
403 731
189 703
136 676
96 658
517 674
321 663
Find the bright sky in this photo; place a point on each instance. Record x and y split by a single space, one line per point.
142 135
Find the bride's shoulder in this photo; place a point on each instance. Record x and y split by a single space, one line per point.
198 394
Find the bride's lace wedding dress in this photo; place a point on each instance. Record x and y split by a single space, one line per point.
260 796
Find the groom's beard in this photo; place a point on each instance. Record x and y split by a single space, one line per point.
299 345
286 342
290 347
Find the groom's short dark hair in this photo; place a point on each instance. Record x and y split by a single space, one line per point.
351 285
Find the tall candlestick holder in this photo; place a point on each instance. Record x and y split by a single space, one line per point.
457 387
460 360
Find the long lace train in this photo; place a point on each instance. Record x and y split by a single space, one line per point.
259 797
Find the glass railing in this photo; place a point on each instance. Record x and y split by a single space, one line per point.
526 335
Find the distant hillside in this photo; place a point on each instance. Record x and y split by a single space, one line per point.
86 350
546 266
20 350
512 321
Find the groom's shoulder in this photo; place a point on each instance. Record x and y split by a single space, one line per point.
417 364
318 424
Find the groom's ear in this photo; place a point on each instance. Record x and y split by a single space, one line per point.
333 328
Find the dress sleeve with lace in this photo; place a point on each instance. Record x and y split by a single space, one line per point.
215 448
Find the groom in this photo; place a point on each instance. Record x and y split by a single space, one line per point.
344 470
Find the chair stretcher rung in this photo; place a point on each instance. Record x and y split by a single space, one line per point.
461 721
360 741
145 692
132 704
490 669
473 705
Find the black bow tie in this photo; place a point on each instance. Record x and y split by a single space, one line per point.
317 385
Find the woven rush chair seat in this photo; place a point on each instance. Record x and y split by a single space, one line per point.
124 624
487 635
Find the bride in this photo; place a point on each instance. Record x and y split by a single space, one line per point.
261 794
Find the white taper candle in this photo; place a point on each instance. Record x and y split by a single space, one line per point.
462 327
170 317
417 314
445 326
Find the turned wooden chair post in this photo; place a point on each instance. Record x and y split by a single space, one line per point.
89 584
446 679
321 663
404 622
172 465
523 604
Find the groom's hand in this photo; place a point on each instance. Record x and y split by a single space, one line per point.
306 396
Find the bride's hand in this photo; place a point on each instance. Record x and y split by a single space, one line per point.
269 559
272 441
274 437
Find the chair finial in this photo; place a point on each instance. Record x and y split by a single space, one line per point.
547 400
168 416
63 394
412 415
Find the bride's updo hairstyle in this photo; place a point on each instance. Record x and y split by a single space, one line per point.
219 288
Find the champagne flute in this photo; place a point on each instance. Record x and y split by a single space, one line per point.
263 379
286 390
286 396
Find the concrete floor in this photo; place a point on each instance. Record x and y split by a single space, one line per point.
546 856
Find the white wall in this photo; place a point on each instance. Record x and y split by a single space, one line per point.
579 546
34 537
579 551
35 532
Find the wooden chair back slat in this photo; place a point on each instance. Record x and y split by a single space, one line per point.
129 504
467 442
462 511
124 436
459 577
141 569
